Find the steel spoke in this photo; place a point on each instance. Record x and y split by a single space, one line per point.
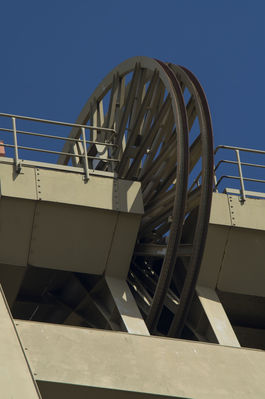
152 123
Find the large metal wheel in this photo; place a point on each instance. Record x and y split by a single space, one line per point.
163 139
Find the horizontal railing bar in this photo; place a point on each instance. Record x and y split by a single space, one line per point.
238 178
65 168
235 163
58 137
105 129
60 153
247 164
228 147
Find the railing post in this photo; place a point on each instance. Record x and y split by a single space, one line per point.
85 154
243 194
17 162
215 182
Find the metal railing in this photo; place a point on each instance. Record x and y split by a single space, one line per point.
238 163
84 156
219 178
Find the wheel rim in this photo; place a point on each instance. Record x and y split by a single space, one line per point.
145 105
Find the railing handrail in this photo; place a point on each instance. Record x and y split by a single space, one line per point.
229 147
50 136
21 147
239 165
29 118
256 165
84 156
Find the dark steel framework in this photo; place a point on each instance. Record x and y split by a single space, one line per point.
163 135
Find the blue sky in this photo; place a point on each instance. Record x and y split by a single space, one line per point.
54 54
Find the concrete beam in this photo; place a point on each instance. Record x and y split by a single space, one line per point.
97 360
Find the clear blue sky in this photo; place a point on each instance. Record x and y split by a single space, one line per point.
54 53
